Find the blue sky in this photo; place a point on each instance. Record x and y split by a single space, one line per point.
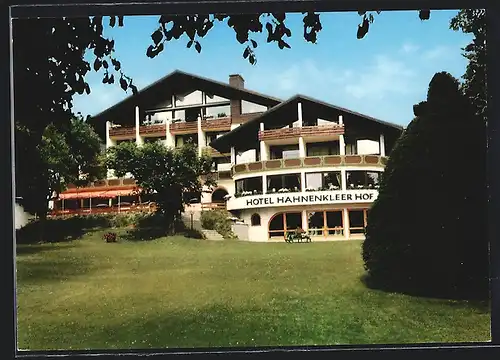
382 75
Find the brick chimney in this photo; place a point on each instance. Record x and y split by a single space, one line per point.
238 82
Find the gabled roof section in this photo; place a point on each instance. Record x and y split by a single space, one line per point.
176 82
285 113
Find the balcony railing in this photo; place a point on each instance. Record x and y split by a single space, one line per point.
186 127
157 129
107 182
219 124
307 131
311 161
128 131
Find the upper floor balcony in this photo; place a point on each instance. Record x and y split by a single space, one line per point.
317 131
310 162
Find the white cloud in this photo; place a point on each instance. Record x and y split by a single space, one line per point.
409 48
438 52
385 76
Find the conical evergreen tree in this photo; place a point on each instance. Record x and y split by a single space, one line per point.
427 230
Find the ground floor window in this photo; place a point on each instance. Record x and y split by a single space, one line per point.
282 223
325 223
358 221
255 220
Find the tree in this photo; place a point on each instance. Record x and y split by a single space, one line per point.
426 231
473 21
163 173
62 157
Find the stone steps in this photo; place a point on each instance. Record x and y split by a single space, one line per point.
212 235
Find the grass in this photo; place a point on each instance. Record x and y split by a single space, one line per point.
178 292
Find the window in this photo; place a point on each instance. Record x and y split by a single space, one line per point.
192 98
179 115
192 114
153 139
358 221
255 220
358 179
282 223
284 152
215 112
184 139
249 186
283 183
211 136
248 107
323 148
209 98
351 149
325 223
323 181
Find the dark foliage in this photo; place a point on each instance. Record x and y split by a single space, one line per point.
426 231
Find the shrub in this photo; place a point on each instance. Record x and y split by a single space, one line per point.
110 237
426 231
219 221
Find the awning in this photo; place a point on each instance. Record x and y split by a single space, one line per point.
109 194
115 193
80 195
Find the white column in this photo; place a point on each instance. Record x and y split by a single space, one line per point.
201 137
109 141
343 179
299 113
305 224
302 147
233 155
138 139
382 145
169 136
263 148
264 184
302 181
341 137
345 214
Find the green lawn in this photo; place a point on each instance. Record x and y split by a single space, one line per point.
178 292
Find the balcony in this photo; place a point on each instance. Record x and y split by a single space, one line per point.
219 124
122 132
107 182
311 161
184 127
157 129
305 131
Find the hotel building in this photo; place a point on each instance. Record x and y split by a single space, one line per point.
279 164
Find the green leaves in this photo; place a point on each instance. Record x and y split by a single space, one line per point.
164 172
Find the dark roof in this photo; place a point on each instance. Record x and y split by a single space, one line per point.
246 135
175 82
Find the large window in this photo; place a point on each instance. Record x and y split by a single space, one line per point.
358 221
359 179
283 223
284 152
214 112
192 98
323 148
249 186
325 223
321 181
283 183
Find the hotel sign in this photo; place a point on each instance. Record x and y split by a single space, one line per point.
304 198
